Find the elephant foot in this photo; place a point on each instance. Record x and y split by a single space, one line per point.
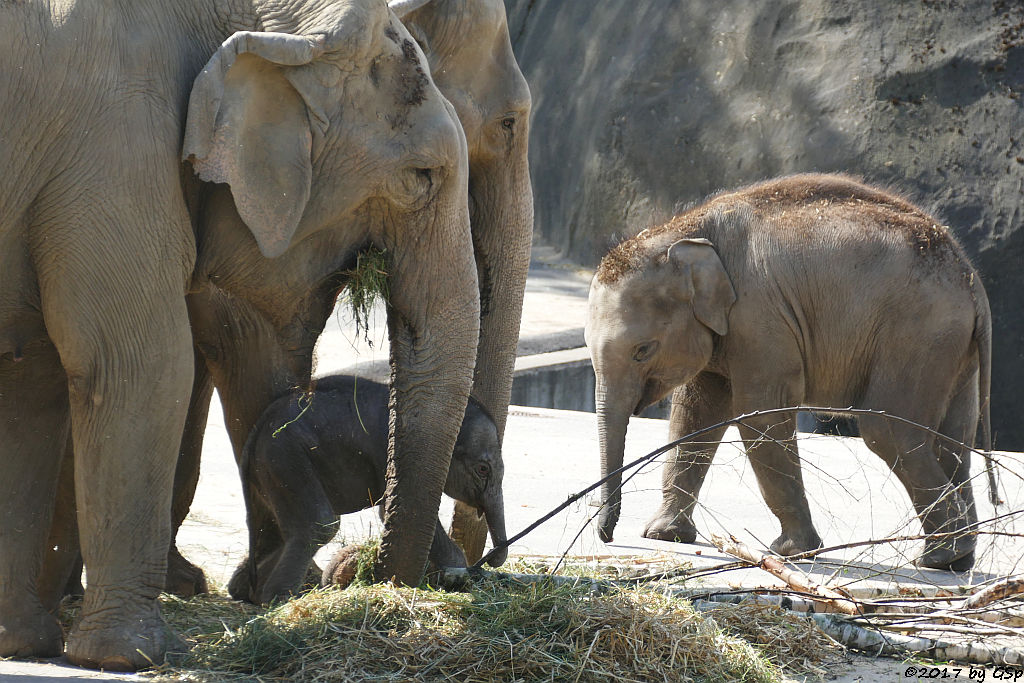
31 632
794 543
239 586
184 579
342 568
952 556
133 642
671 526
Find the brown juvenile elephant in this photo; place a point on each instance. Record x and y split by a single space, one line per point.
471 61
809 289
317 130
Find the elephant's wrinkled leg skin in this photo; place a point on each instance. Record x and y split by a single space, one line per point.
185 579
772 451
127 391
62 563
269 543
960 423
703 402
942 510
33 434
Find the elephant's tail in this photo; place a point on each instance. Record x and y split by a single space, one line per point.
245 472
983 340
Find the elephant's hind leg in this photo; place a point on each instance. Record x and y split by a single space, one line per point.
33 434
911 455
185 579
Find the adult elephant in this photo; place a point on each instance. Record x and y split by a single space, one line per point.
318 131
471 60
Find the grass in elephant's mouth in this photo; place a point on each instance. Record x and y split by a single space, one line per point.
494 632
365 284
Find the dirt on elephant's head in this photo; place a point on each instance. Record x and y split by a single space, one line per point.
631 254
803 199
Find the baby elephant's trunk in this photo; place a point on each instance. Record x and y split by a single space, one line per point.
494 512
613 411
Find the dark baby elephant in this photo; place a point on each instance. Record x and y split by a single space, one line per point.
314 456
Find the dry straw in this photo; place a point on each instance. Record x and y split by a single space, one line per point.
496 631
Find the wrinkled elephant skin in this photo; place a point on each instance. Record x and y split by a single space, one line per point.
812 290
316 455
471 60
115 259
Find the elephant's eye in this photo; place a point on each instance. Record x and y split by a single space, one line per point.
509 122
483 470
644 351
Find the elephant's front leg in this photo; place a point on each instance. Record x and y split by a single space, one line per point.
703 402
33 434
184 578
772 450
122 332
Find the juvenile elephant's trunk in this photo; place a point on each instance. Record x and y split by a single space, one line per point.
494 511
613 411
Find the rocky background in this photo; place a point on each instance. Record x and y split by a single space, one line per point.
642 107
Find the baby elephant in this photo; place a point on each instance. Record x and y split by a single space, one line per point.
312 457
810 289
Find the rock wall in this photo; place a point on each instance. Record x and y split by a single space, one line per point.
642 107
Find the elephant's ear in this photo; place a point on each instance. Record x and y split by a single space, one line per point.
403 7
713 293
250 128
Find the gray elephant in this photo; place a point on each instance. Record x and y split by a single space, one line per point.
471 60
319 454
811 289
316 130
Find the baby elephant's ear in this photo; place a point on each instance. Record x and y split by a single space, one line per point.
713 293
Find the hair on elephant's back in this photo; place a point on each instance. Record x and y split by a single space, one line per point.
802 199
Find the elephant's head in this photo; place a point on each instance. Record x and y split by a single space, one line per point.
651 323
477 471
471 59
318 137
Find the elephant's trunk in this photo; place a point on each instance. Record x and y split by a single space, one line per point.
434 326
501 214
613 411
494 512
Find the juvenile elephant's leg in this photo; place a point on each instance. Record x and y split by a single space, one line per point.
303 514
704 401
912 457
62 564
33 434
960 423
772 450
284 573
184 578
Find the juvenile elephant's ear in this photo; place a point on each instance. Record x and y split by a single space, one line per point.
250 128
713 293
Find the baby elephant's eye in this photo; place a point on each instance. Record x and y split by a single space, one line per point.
483 469
644 351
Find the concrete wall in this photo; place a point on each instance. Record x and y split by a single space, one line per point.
645 106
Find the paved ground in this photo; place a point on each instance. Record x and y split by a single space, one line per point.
551 454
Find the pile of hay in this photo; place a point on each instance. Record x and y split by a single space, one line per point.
493 632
